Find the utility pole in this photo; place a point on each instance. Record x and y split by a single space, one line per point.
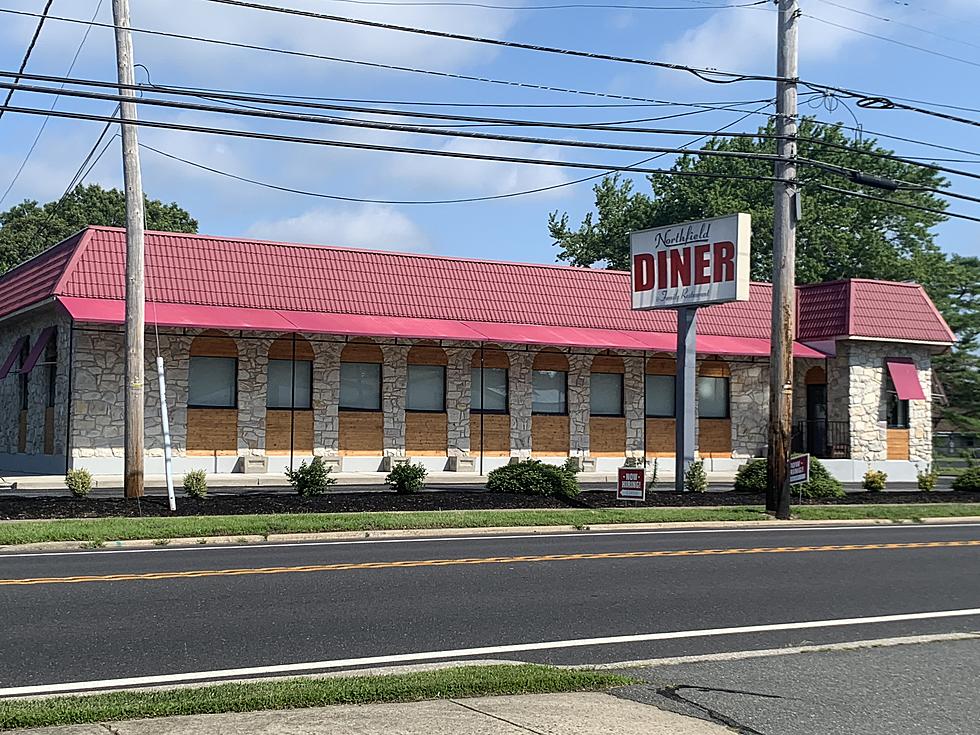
785 213
133 419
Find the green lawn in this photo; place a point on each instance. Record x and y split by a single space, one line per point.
96 531
476 681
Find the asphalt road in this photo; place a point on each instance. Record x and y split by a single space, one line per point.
107 615
928 689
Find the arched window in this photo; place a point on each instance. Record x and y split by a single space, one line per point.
426 379
213 378
713 390
606 386
490 386
290 378
360 377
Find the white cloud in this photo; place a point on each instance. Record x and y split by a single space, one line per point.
462 177
366 226
745 40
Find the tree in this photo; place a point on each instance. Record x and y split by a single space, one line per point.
28 228
838 236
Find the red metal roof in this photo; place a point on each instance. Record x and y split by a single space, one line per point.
859 307
279 286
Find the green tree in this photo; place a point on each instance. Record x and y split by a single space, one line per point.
838 236
28 228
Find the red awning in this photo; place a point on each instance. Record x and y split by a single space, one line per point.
35 353
12 357
905 378
109 311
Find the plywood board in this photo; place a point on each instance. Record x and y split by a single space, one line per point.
607 436
277 431
496 441
715 438
549 436
898 444
212 431
361 433
660 436
426 434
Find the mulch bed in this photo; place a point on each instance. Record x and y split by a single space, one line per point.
14 507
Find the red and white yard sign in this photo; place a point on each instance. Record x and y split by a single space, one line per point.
631 485
695 263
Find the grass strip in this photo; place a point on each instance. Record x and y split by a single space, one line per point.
101 530
475 681
908 512
98 531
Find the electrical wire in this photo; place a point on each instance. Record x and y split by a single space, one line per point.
44 123
342 60
355 145
30 46
404 202
896 202
562 6
707 75
343 121
882 18
867 34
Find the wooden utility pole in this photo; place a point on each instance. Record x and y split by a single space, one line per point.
785 212
133 419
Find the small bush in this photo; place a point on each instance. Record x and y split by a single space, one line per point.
874 480
927 481
79 482
311 479
695 479
573 465
406 478
969 480
753 477
196 484
532 477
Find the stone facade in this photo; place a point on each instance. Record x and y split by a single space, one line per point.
868 404
855 379
749 401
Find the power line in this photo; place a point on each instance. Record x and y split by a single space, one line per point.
44 123
561 6
884 19
30 47
896 202
342 60
869 35
343 121
708 75
466 200
417 129
384 148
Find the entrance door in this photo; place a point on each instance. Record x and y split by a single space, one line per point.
816 419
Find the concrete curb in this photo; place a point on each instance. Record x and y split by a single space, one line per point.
429 533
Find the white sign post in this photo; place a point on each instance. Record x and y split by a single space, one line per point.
682 267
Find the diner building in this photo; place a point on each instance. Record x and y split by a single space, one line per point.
277 352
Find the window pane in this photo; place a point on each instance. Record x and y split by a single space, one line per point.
360 385
548 391
212 381
713 397
426 388
281 393
606 394
493 397
660 395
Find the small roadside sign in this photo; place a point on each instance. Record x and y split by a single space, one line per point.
631 485
799 469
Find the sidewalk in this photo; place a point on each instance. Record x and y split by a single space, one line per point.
551 714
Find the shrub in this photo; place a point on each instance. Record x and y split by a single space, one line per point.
753 477
196 483
695 479
311 479
532 477
406 478
969 480
573 465
874 480
927 481
79 482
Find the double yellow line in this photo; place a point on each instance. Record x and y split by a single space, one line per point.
414 564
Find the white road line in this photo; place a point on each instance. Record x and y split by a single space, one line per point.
313 666
511 537
788 651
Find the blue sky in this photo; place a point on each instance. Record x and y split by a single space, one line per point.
737 39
